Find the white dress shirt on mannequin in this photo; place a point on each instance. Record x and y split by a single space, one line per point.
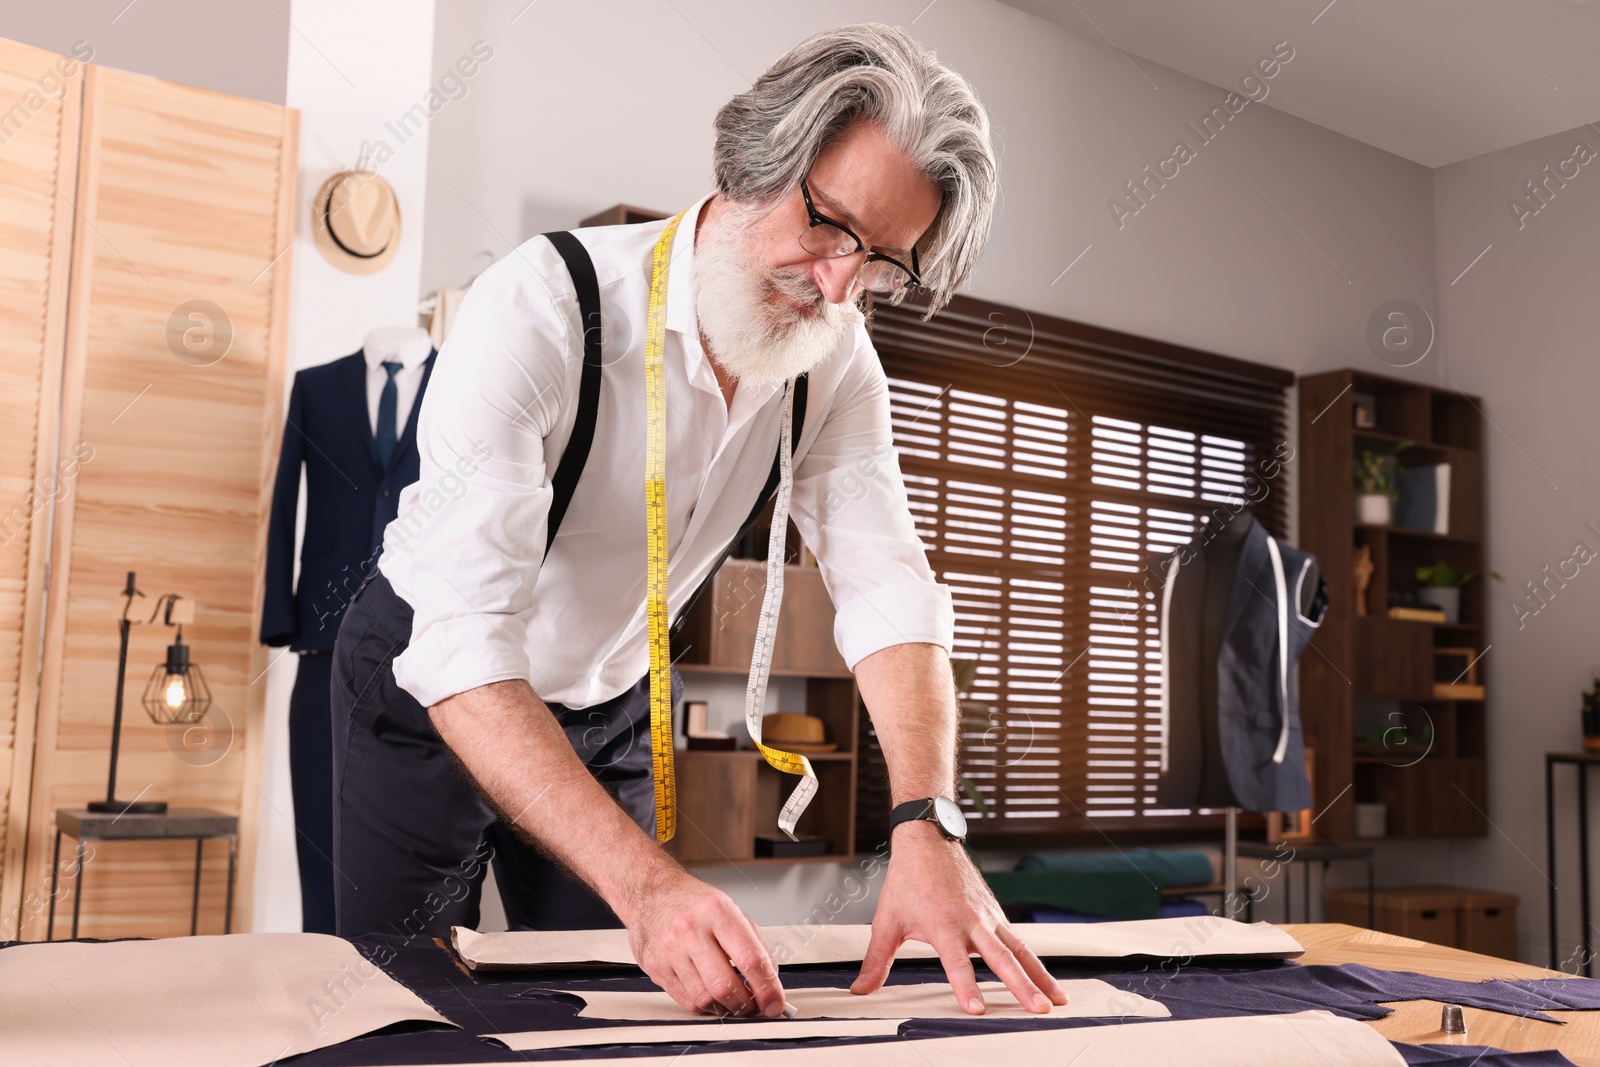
406 345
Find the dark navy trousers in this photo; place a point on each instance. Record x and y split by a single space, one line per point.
412 833
311 783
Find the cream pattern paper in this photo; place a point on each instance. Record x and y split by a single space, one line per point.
695 1033
1196 937
1087 998
238 1000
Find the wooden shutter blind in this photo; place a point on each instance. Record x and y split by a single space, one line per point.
1047 463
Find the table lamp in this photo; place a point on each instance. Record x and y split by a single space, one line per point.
176 693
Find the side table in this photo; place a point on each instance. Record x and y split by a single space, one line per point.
200 824
1324 852
1582 761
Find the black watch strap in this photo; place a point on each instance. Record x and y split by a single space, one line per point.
921 809
910 811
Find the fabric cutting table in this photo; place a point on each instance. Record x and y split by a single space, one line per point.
511 1001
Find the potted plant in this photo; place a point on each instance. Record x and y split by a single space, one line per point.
1441 587
1375 485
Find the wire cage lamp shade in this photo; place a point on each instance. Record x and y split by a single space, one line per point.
177 691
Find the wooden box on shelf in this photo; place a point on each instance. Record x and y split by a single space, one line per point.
1426 913
1477 920
1455 675
1486 922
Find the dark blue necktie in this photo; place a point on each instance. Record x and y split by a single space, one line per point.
388 402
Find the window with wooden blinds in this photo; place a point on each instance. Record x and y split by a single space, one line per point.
1048 463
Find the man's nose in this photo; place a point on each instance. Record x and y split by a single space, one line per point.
836 277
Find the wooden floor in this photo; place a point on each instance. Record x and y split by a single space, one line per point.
1417 1021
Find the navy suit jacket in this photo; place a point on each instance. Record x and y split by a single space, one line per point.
349 500
1256 708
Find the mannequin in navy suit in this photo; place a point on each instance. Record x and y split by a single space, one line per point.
1233 727
336 413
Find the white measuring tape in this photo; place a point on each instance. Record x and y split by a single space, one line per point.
755 694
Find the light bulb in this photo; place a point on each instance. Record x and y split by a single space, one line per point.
175 694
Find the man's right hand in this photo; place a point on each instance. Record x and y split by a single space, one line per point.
683 932
695 943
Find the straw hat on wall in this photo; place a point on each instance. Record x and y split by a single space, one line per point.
355 221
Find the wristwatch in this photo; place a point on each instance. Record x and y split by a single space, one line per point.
941 811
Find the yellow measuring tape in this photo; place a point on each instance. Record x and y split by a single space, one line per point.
655 508
655 502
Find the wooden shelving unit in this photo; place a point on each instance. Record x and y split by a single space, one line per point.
726 798
1366 666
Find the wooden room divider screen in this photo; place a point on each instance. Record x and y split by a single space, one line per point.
38 156
145 382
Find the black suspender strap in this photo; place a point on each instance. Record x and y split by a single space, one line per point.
576 454
565 482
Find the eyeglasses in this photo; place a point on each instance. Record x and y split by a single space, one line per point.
832 239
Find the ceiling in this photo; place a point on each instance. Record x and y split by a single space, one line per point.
1434 81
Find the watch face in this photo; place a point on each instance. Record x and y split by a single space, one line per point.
948 812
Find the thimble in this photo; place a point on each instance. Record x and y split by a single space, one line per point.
1453 1022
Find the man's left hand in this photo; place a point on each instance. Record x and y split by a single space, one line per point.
934 894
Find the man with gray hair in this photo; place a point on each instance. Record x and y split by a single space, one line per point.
490 681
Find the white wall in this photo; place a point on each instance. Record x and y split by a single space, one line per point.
1520 330
353 67
584 106
555 132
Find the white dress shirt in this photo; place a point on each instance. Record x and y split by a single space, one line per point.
406 345
467 550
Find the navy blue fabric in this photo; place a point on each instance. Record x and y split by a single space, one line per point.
350 498
1477 1056
1351 990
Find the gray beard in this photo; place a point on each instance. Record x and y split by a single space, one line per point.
754 339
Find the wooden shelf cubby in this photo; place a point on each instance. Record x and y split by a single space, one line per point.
726 798
1362 662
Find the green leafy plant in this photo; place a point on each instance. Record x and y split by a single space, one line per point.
1442 575
1375 471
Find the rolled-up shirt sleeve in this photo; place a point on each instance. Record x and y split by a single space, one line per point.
466 548
851 508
